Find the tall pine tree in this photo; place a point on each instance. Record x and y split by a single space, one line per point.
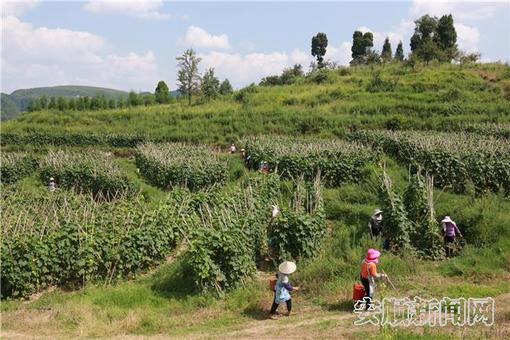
399 53
386 50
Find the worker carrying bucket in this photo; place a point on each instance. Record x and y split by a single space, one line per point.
367 276
282 288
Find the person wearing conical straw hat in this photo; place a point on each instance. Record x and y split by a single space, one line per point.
369 274
450 229
283 288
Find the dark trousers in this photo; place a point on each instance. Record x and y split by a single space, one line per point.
366 285
274 307
448 244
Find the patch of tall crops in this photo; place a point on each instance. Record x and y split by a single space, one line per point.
336 161
90 172
15 166
67 240
171 165
454 159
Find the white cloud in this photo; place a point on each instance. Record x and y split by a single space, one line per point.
198 37
17 8
145 9
461 10
299 57
341 54
41 56
467 37
243 69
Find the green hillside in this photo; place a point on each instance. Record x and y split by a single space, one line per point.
324 103
8 107
21 98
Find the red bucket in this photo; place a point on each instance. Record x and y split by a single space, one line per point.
358 292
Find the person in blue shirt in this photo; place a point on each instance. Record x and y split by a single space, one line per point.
283 288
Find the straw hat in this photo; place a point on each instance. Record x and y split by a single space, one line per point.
446 219
52 179
372 256
377 212
287 267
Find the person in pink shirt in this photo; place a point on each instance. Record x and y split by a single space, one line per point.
450 230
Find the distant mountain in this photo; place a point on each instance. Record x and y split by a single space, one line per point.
9 108
16 102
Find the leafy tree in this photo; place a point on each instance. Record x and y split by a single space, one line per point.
319 45
188 78
34 105
225 87
446 37
162 93
43 102
71 104
386 50
270 81
133 99
464 58
399 53
210 84
423 31
358 49
361 47
52 104
111 103
61 103
290 74
149 99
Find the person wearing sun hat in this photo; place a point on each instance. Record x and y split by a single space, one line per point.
450 229
283 288
369 274
375 223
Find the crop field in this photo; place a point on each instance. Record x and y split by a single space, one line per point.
159 231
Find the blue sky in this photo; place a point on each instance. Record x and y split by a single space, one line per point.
131 45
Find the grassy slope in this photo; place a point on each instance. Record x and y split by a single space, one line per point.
165 303
433 97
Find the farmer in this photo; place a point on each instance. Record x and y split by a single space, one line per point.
283 288
243 154
375 223
449 229
264 167
51 185
369 274
232 148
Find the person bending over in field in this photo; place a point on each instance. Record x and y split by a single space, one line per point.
232 148
449 229
369 274
283 288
